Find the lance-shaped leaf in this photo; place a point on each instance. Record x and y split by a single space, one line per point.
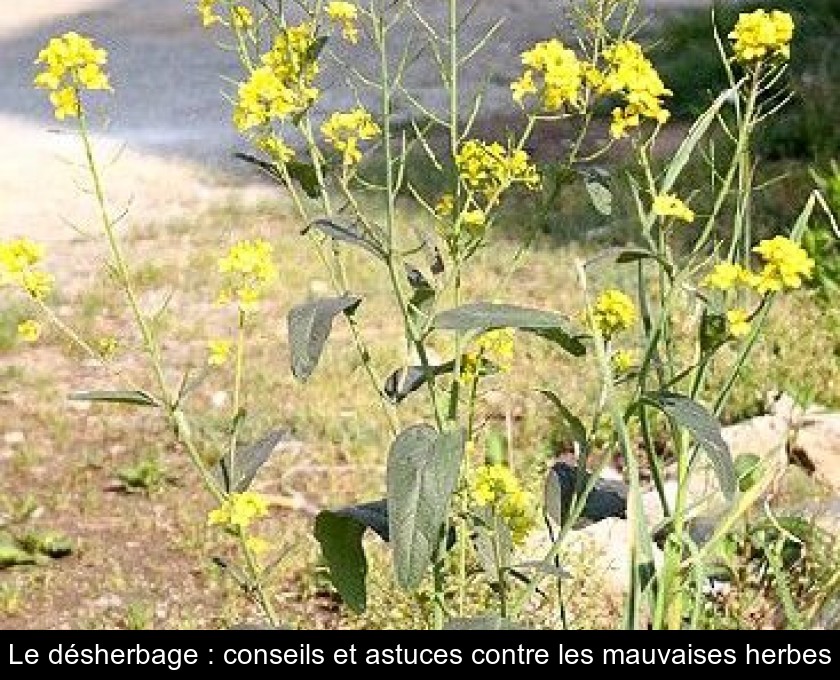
423 470
575 424
236 473
599 195
347 234
481 316
302 173
130 397
705 429
309 327
340 532
404 381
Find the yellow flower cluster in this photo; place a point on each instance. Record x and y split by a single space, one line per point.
613 312
497 488
631 75
668 205
786 264
491 168
71 63
19 260
345 130
284 84
242 17
760 34
496 346
738 321
239 510
553 73
248 270
346 14
29 330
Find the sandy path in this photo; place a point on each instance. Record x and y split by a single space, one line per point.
167 110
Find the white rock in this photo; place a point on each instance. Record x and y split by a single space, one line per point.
14 438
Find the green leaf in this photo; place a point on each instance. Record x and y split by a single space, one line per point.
629 255
309 327
482 316
423 471
12 556
493 544
485 622
420 304
713 331
600 196
49 543
131 397
340 535
403 381
237 473
306 176
347 234
705 429
575 424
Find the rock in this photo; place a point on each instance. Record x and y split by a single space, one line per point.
110 601
600 551
608 497
14 438
817 437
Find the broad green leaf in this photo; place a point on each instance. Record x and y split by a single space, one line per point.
423 470
485 622
705 429
600 196
347 234
131 397
340 535
236 473
481 316
493 544
309 327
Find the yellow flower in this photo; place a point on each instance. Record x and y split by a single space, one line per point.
613 312
107 346
630 75
554 73
760 34
29 330
247 270
257 545
218 352
496 346
727 275
279 151
242 17
497 488
490 168
19 260
239 510
207 10
668 205
739 323
71 63
475 221
283 85
345 13
786 264
445 206
623 360
345 130
65 102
